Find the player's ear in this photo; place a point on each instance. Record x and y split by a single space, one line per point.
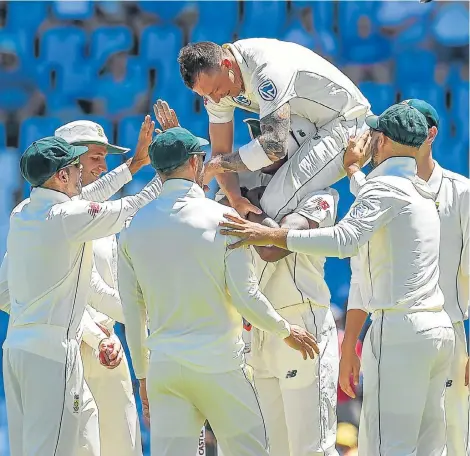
63 175
432 133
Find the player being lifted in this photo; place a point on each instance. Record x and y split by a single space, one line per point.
299 96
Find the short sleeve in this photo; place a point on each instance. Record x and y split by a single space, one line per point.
219 113
273 87
320 207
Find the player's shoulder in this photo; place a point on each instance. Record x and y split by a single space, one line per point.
19 207
461 182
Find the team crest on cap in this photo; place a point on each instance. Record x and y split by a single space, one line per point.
241 99
99 131
267 90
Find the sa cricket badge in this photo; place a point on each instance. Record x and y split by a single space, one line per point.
242 100
267 90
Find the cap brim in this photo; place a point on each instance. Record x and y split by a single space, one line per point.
202 142
373 122
112 149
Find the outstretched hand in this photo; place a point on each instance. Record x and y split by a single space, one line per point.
358 150
252 233
165 116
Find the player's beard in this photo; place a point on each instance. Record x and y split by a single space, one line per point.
374 152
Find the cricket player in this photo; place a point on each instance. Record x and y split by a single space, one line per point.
111 389
452 197
409 347
196 367
301 99
48 293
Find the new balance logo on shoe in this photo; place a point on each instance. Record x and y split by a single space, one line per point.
291 374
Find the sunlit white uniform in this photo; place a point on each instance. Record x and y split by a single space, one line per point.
48 294
326 109
297 397
194 306
452 196
408 349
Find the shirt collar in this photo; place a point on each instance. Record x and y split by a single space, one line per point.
435 180
395 166
47 195
243 66
182 188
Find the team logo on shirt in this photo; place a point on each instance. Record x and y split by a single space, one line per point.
76 403
267 90
362 209
291 374
94 209
241 99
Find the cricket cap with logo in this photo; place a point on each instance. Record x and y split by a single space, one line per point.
428 111
174 147
82 132
401 123
43 158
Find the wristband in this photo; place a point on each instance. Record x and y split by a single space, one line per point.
254 156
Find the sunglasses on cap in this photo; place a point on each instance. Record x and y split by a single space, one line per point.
75 162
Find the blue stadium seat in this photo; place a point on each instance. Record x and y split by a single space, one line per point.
26 15
109 40
380 96
35 128
76 10
349 14
460 102
209 27
128 131
323 13
62 109
63 46
263 19
414 66
166 10
153 40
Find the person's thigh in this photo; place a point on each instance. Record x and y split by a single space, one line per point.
272 406
175 421
457 397
433 433
230 403
118 418
316 165
14 405
51 396
397 367
309 391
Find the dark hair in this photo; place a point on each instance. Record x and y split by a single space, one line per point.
196 58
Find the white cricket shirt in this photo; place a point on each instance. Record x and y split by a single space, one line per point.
174 268
299 278
276 72
452 195
50 261
398 223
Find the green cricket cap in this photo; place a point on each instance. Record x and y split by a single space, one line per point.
402 124
174 147
43 158
428 111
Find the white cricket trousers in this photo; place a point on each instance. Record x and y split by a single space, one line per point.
317 164
457 397
44 402
113 394
182 399
405 362
298 397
